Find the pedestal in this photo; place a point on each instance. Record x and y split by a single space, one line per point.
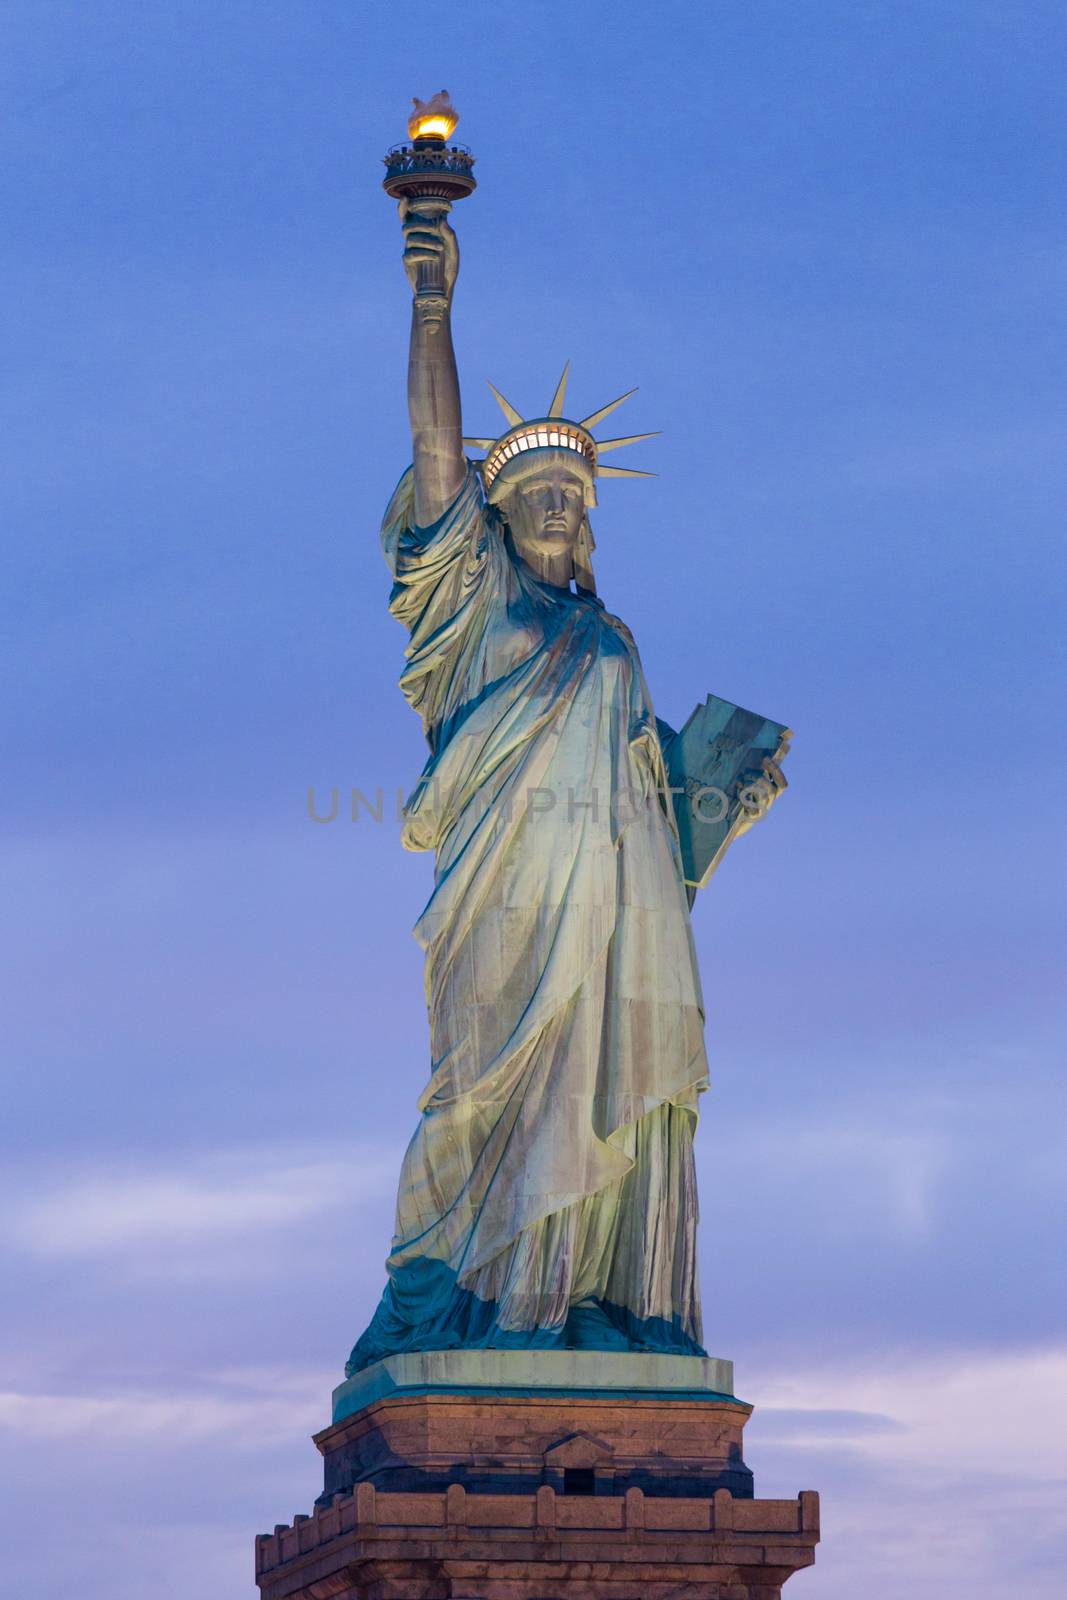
547 1475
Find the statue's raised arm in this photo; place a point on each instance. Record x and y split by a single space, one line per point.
433 383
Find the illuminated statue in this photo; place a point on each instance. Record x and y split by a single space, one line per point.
548 1197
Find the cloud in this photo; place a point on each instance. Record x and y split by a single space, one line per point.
937 1476
950 1415
809 1423
209 1203
267 1405
893 1173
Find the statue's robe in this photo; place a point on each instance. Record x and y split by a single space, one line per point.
548 1196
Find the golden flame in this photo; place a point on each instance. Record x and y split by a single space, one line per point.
436 117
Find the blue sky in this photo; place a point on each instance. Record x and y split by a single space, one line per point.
827 241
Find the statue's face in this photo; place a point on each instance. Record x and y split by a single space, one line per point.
545 511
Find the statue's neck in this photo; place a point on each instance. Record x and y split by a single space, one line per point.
556 571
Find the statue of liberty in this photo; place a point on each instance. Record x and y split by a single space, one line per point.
548 1197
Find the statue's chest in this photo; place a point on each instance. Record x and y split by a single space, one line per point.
578 637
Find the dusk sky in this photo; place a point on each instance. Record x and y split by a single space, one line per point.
827 239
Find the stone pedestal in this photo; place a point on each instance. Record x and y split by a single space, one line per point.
569 1475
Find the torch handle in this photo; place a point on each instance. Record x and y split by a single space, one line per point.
429 275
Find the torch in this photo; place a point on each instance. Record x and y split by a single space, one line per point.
432 172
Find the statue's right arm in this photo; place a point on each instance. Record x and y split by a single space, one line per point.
433 383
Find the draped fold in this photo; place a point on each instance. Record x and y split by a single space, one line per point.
547 1195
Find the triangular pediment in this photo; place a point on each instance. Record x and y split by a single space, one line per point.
578 1450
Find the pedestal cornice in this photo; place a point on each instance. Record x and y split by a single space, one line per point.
624 1374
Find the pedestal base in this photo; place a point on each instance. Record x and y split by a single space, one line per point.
483 1476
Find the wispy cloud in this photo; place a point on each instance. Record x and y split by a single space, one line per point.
947 1414
941 1476
268 1404
810 1424
896 1171
208 1202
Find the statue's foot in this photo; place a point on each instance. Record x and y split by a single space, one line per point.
590 1328
592 1325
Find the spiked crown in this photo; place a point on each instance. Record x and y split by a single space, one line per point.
555 432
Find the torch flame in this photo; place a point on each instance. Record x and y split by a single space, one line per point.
434 118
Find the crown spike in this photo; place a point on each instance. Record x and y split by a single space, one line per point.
632 438
555 408
605 411
480 444
506 407
623 472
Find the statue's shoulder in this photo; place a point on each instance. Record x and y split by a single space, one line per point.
400 512
617 625
462 531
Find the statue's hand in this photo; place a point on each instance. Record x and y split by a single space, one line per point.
759 794
428 238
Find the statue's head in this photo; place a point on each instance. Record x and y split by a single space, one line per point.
541 475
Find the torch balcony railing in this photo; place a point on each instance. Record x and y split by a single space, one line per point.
447 158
